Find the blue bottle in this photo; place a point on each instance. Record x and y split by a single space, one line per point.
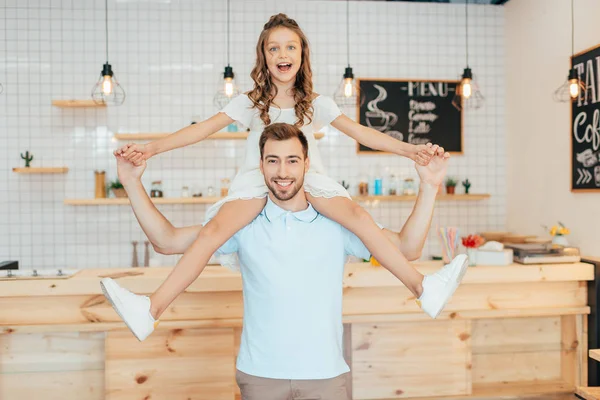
378 189
378 182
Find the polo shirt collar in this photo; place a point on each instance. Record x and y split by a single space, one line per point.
272 212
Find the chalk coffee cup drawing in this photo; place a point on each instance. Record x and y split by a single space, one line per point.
597 175
587 158
378 119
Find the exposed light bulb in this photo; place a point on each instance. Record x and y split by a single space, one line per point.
466 88
574 88
107 85
229 87
348 87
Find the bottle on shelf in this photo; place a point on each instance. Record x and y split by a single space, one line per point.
232 127
100 180
386 182
393 184
377 182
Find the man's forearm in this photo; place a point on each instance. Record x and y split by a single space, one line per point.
156 227
414 232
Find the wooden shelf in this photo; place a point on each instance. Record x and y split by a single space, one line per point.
441 197
595 354
215 136
125 201
76 103
212 200
589 393
41 170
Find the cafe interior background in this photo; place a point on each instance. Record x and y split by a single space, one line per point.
510 330
169 57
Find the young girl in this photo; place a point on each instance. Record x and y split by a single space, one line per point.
283 92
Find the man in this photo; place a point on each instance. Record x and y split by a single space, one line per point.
292 261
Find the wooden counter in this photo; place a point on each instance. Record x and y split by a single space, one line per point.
512 330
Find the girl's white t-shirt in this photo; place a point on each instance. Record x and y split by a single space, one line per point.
241 109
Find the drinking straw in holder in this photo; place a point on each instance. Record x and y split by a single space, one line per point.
449 241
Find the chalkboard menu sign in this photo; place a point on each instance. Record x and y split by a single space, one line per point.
413 111
585 123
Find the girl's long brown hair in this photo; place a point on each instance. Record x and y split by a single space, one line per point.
265 91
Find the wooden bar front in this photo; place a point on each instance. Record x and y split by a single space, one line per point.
513 330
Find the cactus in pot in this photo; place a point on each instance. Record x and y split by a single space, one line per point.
466 185
27 157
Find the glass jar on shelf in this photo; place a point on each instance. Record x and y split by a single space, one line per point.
409 187
210 192
156 190
185 191
224 187
363 187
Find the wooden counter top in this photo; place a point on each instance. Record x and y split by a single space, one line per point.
513 330
220 279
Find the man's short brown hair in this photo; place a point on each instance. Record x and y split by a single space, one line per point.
281 131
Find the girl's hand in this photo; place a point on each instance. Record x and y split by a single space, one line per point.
422 153
135 153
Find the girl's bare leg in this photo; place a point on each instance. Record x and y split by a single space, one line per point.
357 220
232 217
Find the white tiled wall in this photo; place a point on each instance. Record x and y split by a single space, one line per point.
168 55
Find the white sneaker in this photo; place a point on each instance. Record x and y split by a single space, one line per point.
133 309
439 287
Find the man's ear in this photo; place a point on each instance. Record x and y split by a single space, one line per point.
261 166
306 164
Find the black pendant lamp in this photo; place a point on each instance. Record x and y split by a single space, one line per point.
467 93
227 88
108 90
573 86
347 93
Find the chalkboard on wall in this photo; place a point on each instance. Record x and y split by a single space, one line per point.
585 123
414 111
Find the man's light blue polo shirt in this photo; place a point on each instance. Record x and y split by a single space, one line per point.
292 266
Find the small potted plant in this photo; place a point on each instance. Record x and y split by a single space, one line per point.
450 185
117 188
559 233
471 243
28 158
467 185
